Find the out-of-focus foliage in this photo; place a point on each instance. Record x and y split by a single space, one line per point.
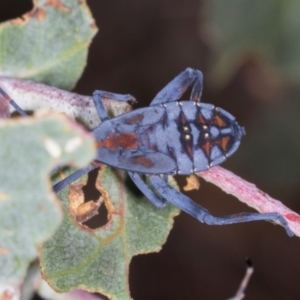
256 47
267 28
29 210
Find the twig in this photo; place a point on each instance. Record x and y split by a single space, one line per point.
248 193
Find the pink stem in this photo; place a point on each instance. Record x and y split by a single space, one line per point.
248 193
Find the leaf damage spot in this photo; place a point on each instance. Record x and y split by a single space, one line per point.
193 183
52 148
3 251
3 196
80 210
73 144
58 5
37 13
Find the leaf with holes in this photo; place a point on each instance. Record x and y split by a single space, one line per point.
29 210
98 260
48 44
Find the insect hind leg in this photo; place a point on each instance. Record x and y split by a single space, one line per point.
98 96
146 190
176 88
13 103
203 215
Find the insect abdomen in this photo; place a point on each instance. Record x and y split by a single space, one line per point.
196 135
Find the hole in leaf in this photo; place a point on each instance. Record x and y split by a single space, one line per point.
91 194
132 187
17 9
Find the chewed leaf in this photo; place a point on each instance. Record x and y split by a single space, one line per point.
29 210
98 260
49 44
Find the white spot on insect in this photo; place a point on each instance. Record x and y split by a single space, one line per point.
206 135
72 144
187 137
204 127
52 147
198 104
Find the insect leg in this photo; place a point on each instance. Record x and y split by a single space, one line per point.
165 177
13 103
146 190
175 89
203 215
98 96
74 176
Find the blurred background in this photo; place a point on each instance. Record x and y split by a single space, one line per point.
249 53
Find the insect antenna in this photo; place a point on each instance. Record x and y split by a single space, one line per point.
13 103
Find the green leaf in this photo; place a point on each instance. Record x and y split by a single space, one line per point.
29 210
49 44
98 260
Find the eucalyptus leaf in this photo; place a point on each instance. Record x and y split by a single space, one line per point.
98 260
48 44
29 211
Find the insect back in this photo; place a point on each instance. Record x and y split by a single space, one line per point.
200 135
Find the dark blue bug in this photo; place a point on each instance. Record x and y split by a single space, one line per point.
169 137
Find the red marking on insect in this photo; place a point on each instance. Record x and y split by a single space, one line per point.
125 140
206 148
143 160
135 119
201 119
182 119
189 150
223 143
219 121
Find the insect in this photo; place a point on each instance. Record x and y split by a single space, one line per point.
169 137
